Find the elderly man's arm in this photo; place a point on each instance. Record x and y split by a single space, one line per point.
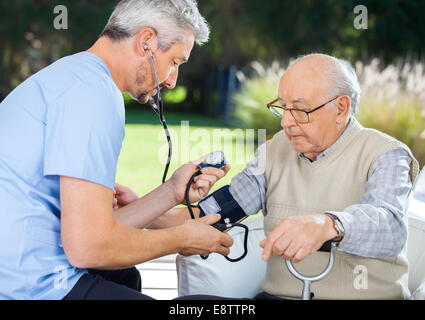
249 186
376 228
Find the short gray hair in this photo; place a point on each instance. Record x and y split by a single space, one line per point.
169 18
342 80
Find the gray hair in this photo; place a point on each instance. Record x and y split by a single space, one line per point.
169 19
342 79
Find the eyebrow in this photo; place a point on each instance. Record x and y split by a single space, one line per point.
296 100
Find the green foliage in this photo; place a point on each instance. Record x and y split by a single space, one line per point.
127 98
139 165
405 121
393 101
176 95
297 27
29 41
250 102
241 31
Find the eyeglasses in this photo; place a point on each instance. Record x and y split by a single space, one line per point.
299 112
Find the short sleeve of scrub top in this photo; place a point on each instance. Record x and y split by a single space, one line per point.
66 120
84 133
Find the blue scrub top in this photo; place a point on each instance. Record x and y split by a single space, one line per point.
68 119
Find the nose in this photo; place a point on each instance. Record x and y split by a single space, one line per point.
287 120
171 81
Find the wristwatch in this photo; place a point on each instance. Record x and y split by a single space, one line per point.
338 227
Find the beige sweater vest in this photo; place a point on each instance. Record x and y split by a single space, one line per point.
332 183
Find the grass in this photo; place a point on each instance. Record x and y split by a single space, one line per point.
144 151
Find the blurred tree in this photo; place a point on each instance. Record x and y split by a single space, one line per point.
395 27
248 30
29 41
242 31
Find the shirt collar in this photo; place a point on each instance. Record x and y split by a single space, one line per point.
325 152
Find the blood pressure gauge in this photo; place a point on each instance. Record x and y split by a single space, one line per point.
215 159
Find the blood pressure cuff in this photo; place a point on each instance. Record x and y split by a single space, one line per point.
222 202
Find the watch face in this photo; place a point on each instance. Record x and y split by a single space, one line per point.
339 228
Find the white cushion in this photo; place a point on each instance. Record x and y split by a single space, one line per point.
419 293
217 276
416 239
419 187
416 249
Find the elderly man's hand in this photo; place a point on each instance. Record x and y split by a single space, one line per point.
202 184
123 196
298 236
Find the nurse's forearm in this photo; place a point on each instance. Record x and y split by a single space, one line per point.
148 208
116 246
121 247
172 218
128 247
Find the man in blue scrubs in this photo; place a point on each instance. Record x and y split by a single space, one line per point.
61 134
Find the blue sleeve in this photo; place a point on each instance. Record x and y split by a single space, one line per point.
84 133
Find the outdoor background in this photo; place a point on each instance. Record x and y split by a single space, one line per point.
228 81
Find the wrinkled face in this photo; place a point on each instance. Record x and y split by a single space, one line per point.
167 67
303 87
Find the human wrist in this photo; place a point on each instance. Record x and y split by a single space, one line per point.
336 229
331 232
180 235
196 211
170 189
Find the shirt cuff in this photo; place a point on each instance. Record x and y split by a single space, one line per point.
345 219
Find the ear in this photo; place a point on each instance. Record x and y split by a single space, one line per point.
343 104
146 37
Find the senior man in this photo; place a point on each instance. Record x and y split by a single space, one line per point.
62 131
325 177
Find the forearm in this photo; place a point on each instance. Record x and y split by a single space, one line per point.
372 232
173 217
148 208
123 246
377 226
249 186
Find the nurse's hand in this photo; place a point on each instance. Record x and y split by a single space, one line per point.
122 196
203 239
202 184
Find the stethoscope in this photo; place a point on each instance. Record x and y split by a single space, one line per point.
157 107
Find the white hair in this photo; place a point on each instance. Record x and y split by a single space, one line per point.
342 79
169 19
